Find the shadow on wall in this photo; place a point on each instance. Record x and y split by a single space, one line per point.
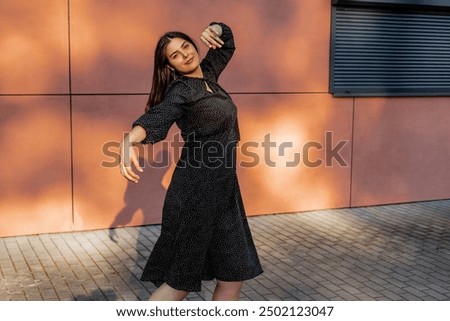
144 198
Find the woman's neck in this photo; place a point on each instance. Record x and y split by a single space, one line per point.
197 73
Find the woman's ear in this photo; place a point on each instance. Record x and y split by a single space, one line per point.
170 67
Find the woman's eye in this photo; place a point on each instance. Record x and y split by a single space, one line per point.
186 46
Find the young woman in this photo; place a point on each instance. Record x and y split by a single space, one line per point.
204 231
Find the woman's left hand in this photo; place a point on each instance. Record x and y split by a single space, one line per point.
211 37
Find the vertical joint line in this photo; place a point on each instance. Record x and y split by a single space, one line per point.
70 115
352 151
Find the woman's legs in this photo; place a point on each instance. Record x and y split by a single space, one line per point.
224 291
166 293
227 291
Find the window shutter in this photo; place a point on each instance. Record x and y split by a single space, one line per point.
389 52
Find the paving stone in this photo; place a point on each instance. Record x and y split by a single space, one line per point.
391 295
436 295
346 296
254 296
17 297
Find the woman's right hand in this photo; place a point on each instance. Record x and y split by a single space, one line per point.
127 157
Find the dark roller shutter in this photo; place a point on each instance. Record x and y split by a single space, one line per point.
389 52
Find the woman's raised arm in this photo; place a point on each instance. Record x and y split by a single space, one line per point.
219 38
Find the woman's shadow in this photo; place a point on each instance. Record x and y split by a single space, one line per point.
144 199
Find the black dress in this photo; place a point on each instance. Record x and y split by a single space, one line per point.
204 231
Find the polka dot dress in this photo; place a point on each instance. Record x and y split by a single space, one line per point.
204 231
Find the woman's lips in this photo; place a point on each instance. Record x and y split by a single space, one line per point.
189 61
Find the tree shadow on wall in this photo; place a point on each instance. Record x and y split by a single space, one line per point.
145 198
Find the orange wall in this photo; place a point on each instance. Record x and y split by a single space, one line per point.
401 150
61 105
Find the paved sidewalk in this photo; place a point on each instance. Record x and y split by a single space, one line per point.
395 252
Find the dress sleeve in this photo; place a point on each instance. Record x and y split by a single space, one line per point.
158 120
216 60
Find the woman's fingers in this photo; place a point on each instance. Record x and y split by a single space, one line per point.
211 42
128 157
135 161
211 39
128 173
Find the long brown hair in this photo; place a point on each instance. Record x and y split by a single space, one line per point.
162 75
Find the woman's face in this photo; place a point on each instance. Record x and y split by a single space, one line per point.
182 56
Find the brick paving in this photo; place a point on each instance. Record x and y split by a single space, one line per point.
394 252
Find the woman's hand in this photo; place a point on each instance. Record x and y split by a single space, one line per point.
211 37
128 154
127 157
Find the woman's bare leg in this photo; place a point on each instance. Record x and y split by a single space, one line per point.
227 291
166 293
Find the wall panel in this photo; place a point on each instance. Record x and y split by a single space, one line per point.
35 176
34 47
275 184
401 150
